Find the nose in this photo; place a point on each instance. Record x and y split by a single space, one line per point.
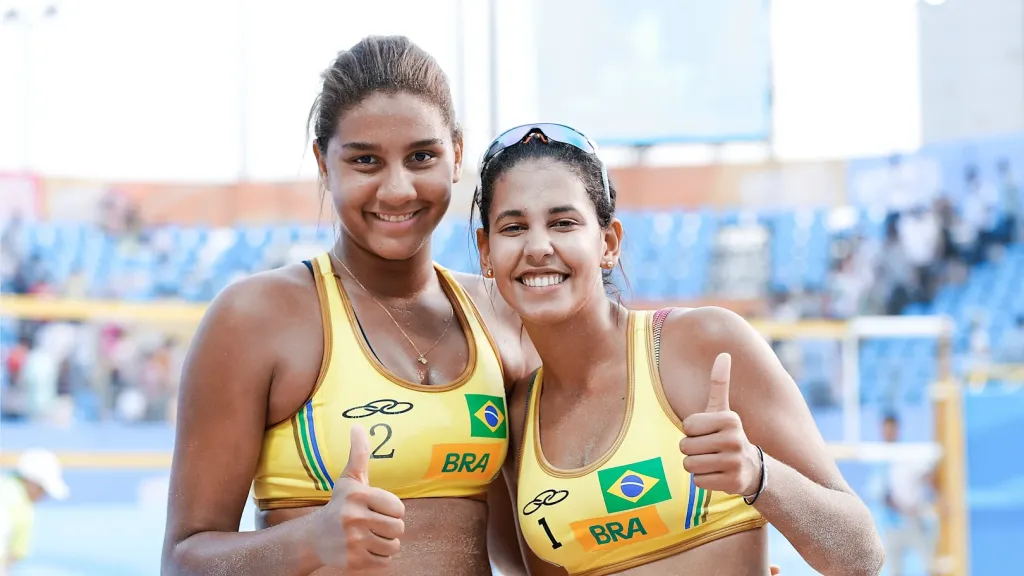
397 188
538 246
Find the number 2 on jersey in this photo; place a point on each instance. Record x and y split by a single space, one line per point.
376 451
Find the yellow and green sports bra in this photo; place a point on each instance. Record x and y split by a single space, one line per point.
635 505
425 441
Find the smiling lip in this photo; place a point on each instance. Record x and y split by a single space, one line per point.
395 218
542 279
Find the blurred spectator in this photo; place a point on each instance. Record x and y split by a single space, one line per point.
14 400
908 493
904 190
848 287
894 278
1012 223
1011 350
979 216
38 379
38 475
920 235
951 253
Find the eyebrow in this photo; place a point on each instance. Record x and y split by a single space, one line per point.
562 209
520 213
370 147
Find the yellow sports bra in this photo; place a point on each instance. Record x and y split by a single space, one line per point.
425 441
635 505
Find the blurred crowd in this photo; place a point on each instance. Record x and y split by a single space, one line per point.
929 241
60 371
65 371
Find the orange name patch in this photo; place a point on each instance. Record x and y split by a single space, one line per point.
464 461
606 532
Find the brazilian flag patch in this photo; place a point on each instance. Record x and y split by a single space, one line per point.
633 485
486 416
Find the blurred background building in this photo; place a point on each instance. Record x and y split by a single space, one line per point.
849 174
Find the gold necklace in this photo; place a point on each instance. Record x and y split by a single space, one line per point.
421 357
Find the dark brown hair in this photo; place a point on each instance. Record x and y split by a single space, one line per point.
387 64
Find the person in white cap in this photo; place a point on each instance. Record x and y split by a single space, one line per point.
38 475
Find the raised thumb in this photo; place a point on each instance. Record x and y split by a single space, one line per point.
358 464
718 393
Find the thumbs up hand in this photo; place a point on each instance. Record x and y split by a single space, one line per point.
716 451
360 527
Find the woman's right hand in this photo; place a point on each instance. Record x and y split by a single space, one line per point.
359 529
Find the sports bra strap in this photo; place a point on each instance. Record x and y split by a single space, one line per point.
658 322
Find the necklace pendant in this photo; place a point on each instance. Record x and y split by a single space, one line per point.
422 360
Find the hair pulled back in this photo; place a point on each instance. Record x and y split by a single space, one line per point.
378 64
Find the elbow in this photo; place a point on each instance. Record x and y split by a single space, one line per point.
169 561
861 556
870 564
874 557
173 559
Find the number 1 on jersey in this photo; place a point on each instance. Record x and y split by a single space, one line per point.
555 544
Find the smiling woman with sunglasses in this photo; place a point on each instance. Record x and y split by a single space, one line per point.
654 443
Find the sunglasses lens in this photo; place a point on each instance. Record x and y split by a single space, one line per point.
556 132
567 135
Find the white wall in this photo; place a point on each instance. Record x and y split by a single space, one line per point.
201 90
214 90
972 69
846 81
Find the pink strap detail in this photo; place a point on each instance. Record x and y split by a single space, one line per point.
657 322
659 319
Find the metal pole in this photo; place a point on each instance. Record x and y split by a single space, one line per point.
493 89
14 17
460 60
243 162
26 124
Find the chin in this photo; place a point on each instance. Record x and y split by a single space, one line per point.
550 313
394 244
398 249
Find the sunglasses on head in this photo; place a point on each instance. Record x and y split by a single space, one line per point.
545 132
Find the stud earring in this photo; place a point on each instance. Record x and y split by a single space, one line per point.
489 273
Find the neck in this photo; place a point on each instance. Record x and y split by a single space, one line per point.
381 277
582 347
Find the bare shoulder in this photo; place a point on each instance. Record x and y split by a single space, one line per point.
692 338
258 307
707 326
488 300
280 286
517 353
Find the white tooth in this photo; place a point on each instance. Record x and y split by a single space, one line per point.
543 281
395 217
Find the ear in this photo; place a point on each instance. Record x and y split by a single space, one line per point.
457 146
613 242
321 164
483 246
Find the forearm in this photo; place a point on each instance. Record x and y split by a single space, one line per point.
832 530
282 550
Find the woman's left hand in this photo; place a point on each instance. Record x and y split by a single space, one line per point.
716 451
